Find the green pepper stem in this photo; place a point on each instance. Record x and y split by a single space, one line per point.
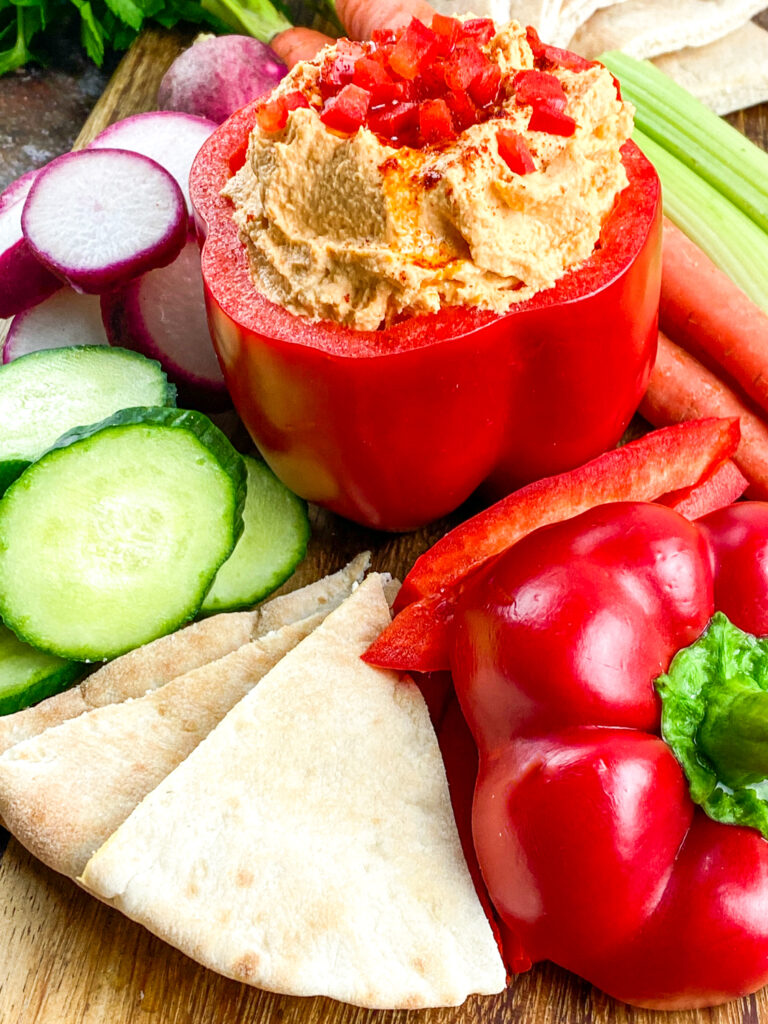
734 733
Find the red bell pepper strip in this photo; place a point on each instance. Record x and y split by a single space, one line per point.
663 461
593 842
722 487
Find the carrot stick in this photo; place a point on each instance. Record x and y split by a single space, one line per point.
703 311
682 389
361 17
295 44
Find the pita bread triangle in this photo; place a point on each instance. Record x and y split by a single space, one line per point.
308 845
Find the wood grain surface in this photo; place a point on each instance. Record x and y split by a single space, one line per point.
67 959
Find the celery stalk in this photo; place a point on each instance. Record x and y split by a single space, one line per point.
726 234
257 18
717 152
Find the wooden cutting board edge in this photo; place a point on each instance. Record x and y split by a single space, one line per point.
67 959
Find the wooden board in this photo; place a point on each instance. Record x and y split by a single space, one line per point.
67 959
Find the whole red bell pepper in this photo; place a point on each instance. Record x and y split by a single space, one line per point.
396 427
620 825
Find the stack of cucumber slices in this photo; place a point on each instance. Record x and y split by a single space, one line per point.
121 516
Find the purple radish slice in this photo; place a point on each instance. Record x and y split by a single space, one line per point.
172 139
24 281
99 217
219 74
162 315
17 190
66 318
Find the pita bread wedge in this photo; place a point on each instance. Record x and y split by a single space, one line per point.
156 663
573 14
542 14
729 74
64 792
308 845
646 28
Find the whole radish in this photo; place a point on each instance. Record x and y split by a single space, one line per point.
219 74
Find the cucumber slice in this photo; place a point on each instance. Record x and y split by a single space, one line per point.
28 676
45 393
273 543
112 538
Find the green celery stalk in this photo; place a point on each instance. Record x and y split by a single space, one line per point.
257 18
726 234
704 142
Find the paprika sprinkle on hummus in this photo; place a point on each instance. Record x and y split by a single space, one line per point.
461 164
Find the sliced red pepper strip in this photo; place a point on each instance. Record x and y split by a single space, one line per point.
482 30
662 461
548 56
537 88
553 122
724 485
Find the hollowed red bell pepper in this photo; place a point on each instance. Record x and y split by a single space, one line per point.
396 427
592 839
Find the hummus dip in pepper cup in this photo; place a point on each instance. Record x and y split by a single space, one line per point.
431 261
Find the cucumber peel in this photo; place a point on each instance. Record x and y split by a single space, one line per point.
113 537
273 543
45 393
28 676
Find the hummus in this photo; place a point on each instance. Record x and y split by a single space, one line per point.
354 230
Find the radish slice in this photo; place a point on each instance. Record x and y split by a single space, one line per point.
162 315
17 190
66 318
169 137
99 217
23 280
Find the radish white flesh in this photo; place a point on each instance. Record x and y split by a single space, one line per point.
169 137
162 315
66 318
24 281
219 74
99 217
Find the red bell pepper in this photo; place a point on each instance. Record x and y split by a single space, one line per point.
673 460
394 428
634 860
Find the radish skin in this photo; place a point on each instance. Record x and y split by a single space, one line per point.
162 315
219 74
66 318
361 17
98 217
704 312
296 44
24 281
682 389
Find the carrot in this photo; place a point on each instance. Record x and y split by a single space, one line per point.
295 44
704 312
681 388
361 17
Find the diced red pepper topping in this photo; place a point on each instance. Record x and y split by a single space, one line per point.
448 30
539 89
554 122
482 30
467 62
435 121
394 123
484 88
546 56
272 116
296 99
514 151
413 49
463 108
394 82
346 111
